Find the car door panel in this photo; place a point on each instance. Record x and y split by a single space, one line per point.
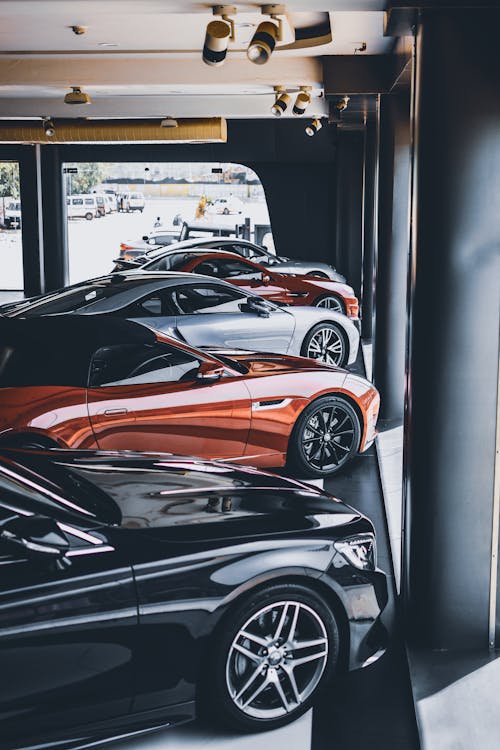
67 640
191 418
239 330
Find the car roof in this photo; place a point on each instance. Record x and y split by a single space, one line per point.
194 243
79 332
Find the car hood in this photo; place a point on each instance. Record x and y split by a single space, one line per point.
259 363
188 499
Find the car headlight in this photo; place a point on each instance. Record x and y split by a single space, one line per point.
359 551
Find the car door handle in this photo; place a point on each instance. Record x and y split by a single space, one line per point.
114 412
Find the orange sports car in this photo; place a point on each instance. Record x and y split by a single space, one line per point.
277 287
108 383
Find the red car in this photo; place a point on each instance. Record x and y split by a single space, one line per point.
277 287
100 382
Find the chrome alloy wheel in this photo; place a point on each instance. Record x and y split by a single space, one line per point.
331 303
328 437
327 345
276 660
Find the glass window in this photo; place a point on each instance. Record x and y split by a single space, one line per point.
141 363
154 305
226 269
171 196
207 299
11 245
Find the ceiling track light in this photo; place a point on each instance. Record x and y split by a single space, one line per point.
281 102
48 126
266 34
342 104
77 96
302 101
218 35
314 126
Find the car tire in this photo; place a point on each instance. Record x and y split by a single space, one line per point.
327 343
224 693
330 302
325 438
89 216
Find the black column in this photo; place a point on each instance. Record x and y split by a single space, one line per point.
29 179
370 175
54 224
453 367
349 221
392 254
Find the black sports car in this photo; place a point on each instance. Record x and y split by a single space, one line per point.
134 586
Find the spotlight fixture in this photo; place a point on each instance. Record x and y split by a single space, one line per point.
302 101
48 126
342 104
266 35
314 127
169 122
77 96
281 102
218 35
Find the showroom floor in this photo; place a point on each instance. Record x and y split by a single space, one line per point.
372 707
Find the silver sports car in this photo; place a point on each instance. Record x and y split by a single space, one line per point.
205 312
247 249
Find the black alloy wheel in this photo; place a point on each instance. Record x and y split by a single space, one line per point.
325 437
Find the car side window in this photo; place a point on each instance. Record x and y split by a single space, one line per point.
206 298
236 268
246 251
132 364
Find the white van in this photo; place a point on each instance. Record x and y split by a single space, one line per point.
131 202
12 219
82 207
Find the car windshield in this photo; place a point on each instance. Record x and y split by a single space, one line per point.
76 300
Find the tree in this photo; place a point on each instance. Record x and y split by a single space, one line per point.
9 179
89 176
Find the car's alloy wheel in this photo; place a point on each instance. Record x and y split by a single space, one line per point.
330 302
273 654
325 437
326 343
276 660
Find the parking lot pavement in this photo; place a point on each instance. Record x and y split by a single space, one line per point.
92 245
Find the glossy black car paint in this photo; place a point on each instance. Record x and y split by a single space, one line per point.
115 643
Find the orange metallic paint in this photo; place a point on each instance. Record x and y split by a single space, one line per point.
279 287
222 419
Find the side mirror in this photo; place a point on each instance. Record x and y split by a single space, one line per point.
256 305
145 237
38 537
266 279
209 372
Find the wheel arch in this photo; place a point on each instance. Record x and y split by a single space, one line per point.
339 394
320 296
312 582
341 328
